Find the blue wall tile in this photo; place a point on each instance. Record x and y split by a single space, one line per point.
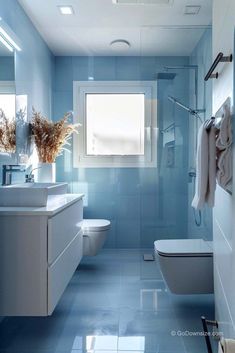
143 204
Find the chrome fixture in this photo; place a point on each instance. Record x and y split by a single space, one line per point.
29 178
7 170
193 112
219 59
188 67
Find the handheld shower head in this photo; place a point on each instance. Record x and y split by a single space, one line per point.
193 112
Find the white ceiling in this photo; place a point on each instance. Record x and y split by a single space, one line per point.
150 29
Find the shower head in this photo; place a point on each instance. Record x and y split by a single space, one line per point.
181 67
176 101
166 76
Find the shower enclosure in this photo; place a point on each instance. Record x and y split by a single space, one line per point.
181 116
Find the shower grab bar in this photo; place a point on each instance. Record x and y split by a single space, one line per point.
205 324
220 58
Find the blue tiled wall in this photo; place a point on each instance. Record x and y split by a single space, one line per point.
144 204
202 57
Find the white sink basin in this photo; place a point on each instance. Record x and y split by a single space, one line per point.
30 194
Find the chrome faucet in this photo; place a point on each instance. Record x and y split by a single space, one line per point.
7 170
29 178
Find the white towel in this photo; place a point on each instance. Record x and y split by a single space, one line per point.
226 346
205 168
220 348
210 195
224 151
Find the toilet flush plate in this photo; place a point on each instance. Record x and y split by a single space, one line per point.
148 257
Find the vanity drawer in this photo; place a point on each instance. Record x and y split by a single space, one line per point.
62 228
61 271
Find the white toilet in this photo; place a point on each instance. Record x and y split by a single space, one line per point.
95 232
186 265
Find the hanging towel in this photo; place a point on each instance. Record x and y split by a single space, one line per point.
226 346
205 168
210 195
202 169
224 151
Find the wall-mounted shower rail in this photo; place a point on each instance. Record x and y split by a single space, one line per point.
219 59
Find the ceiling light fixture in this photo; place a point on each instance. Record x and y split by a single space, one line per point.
66 10
6 38
192 9
120 44
7 45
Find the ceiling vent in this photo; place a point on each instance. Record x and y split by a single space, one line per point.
143 2
192 9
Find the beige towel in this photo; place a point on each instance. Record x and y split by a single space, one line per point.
224 151
226 346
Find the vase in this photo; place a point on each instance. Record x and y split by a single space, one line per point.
46 173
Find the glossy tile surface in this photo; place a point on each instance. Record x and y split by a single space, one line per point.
115 303
143 204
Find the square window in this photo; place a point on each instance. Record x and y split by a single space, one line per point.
115 124
119 124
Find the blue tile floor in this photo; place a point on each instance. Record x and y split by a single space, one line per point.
115 302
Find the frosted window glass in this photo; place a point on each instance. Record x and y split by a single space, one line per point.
7 104
115 124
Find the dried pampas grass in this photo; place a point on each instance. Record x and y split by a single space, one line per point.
7 134
51 137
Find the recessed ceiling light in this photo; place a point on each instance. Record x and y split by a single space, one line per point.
120 44
192 9
66 10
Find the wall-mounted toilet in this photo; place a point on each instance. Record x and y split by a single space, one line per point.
186 265
95 232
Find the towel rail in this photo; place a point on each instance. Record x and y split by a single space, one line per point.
220 58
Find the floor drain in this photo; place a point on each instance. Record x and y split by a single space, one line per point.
148 257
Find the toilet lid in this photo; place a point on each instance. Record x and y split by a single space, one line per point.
95 225
183 247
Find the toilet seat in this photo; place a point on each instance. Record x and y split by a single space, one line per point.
95 225
183 248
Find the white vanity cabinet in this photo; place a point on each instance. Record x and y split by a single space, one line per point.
40 250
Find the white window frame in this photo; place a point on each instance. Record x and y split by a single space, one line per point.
80 89
7 87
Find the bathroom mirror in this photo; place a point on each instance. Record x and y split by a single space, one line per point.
7 100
